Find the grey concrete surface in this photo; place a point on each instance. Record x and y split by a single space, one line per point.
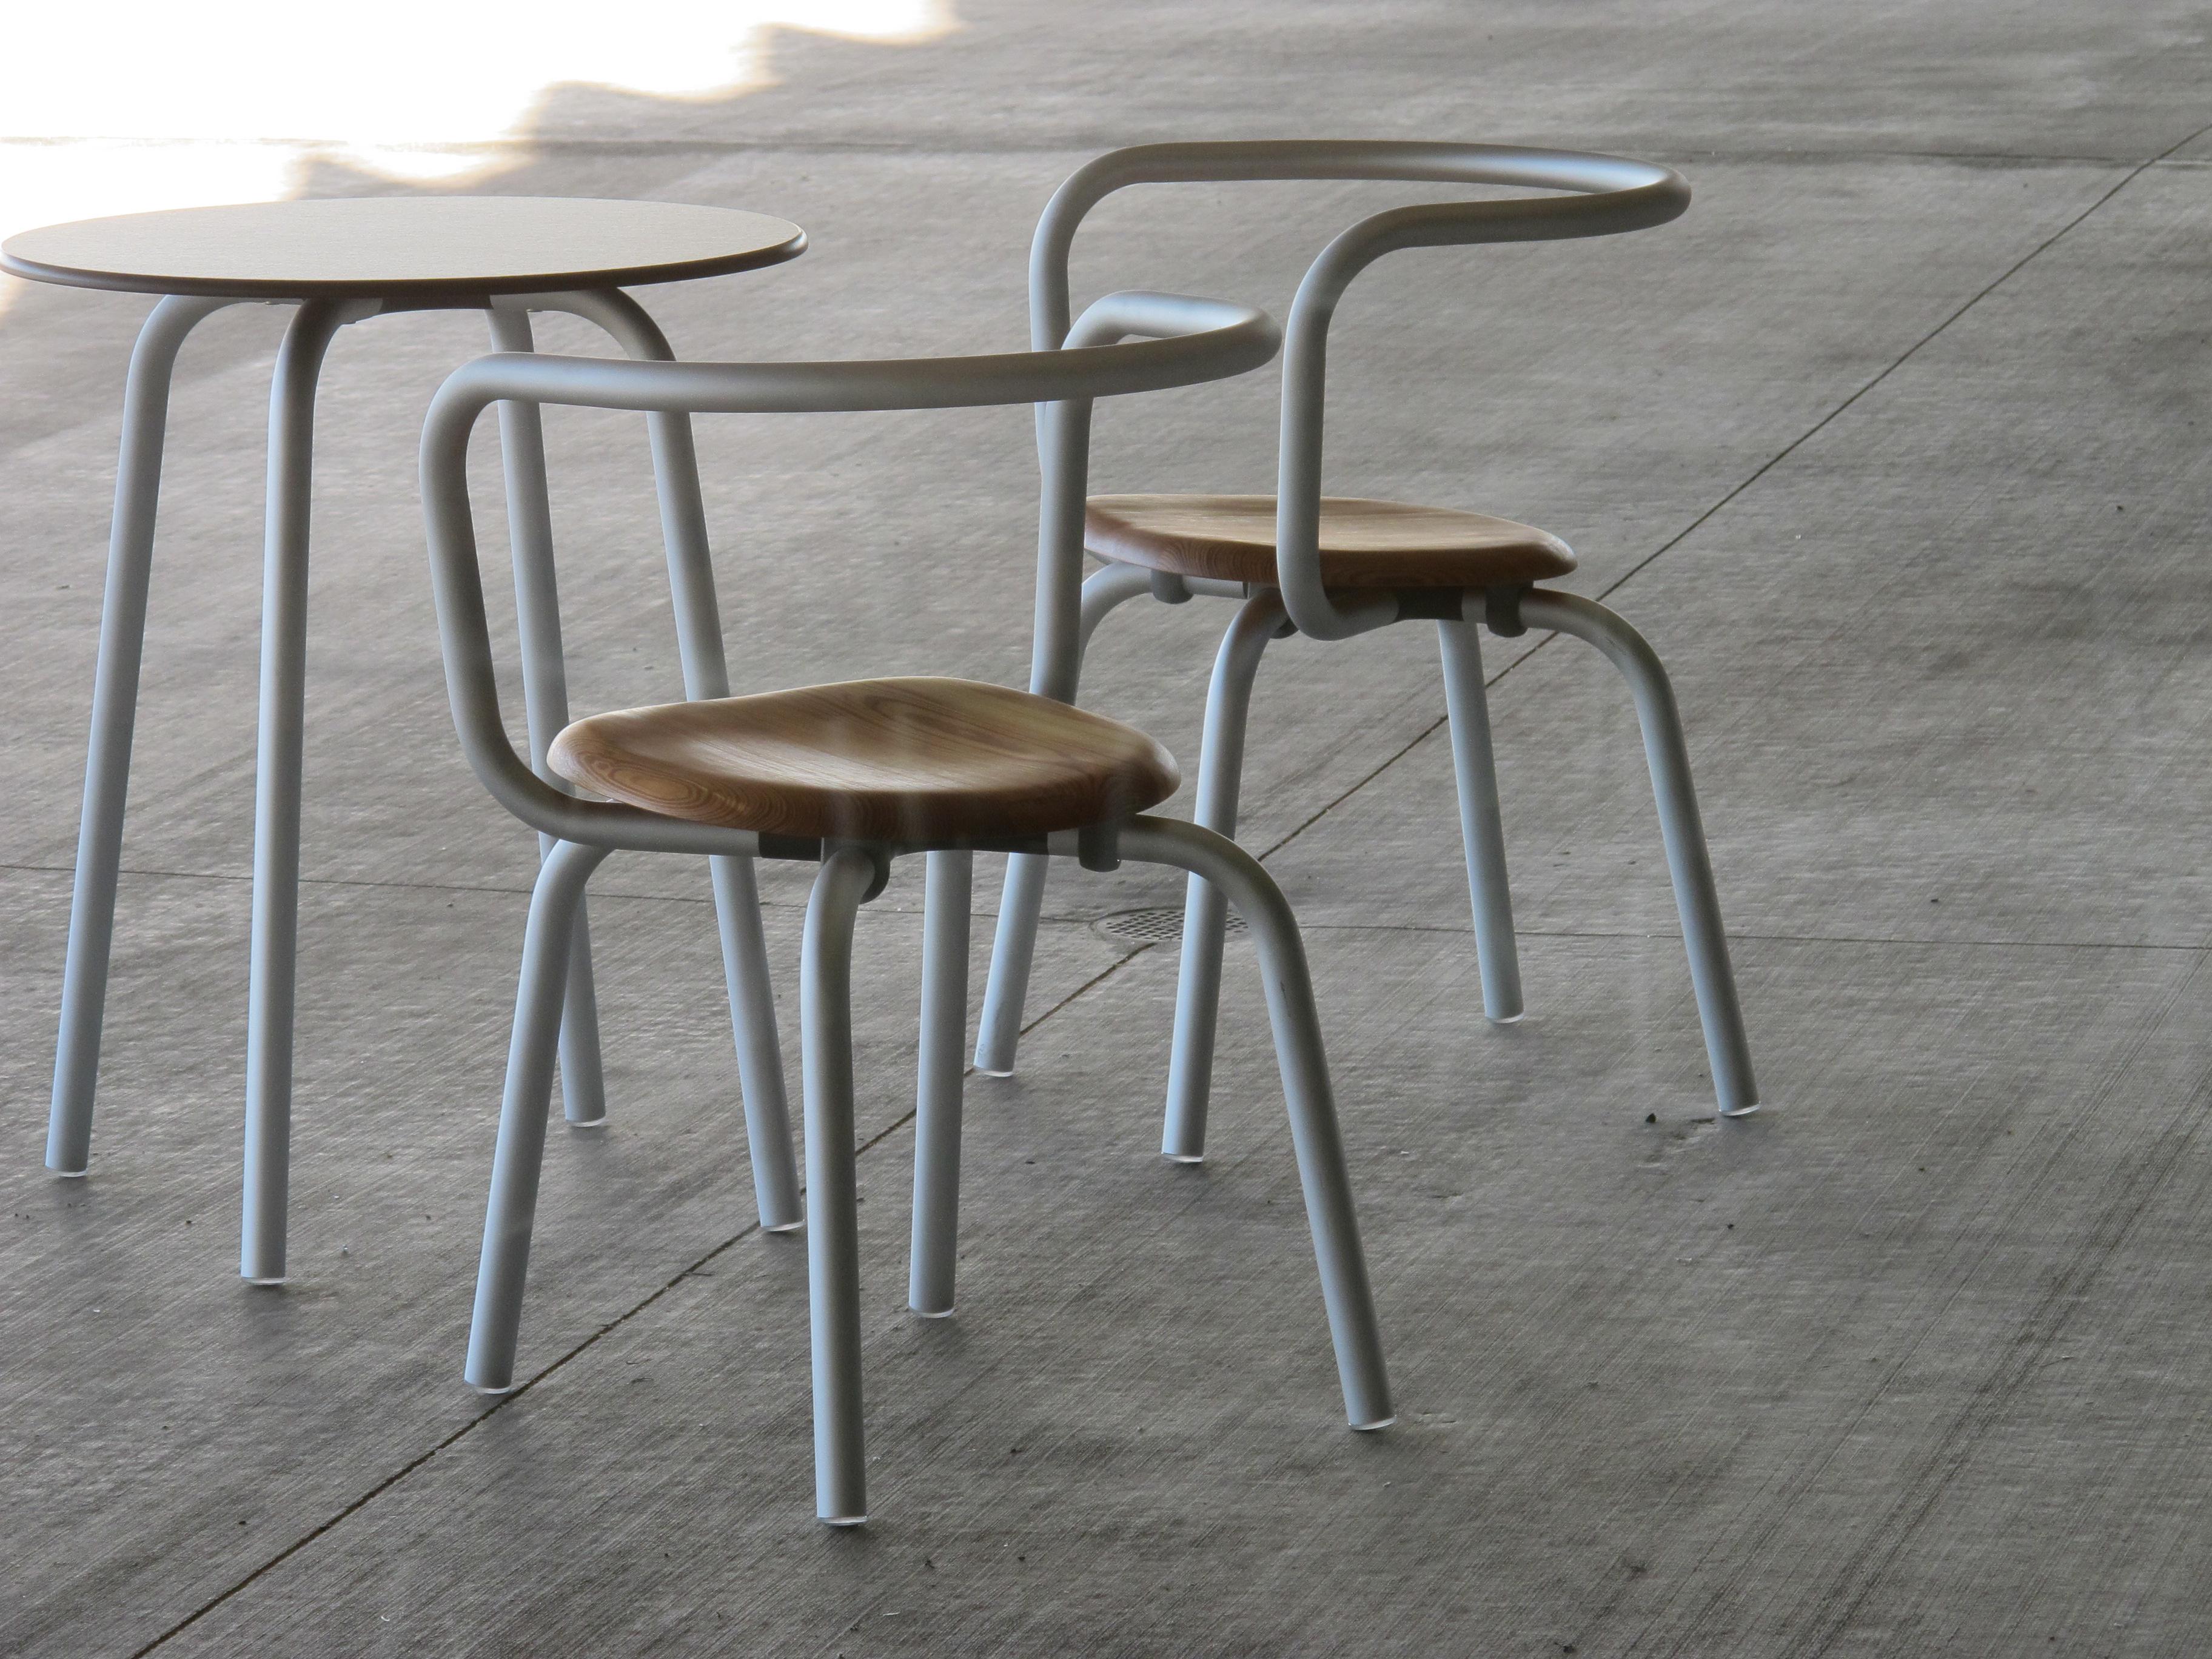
1893 446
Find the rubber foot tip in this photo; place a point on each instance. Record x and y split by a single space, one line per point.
1378 1424
984 1071
844 1520
783 1226
928 1313
263 1283
491 1393
70 1175
598 1123
1743 1111
1507 1020
1184 1157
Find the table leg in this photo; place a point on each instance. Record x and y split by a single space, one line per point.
114 712
546 701
274 971
705 674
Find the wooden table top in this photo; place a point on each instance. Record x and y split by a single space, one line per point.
398 247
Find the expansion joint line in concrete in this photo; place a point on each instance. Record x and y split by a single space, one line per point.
414 1463
1662 936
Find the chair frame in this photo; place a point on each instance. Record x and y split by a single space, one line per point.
1193 340
1603 195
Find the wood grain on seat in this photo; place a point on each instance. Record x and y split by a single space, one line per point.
900 760
1363 543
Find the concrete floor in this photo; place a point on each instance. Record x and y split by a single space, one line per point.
1891 445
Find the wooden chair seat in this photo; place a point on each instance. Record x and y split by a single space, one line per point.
910 760
1363 543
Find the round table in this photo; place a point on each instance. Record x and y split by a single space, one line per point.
341 262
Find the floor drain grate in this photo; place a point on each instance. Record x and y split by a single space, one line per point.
1162 925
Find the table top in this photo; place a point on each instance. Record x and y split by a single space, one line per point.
398 247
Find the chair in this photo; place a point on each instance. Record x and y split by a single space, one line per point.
1335 567
852 777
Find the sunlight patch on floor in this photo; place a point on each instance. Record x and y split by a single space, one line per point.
134 107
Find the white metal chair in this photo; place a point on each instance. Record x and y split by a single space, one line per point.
852 777
1333 567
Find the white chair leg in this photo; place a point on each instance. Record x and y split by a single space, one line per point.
505 1262
1314 1132
1007 991
1475 767
1205 912
937 1096
1727 1047
832 1238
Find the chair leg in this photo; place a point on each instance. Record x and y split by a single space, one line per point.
760 1051
1320 1146
1475 767
1727 1046
115 718
937 1098
1005 991
1205 912
554 904
833 1239
1013 949
274 958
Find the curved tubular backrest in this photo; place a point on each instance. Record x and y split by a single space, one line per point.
1605 196
1191 341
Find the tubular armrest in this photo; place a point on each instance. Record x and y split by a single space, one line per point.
1608 194
1603 195
1190 341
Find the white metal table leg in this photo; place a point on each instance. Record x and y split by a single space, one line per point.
274 971
705 674
545 699
114 717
